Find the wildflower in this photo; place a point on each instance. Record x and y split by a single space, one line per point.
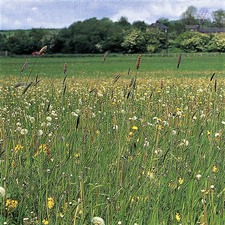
32 119
150 175
217 135
178 217
174 132
49 119
44 221
134 128
198 176
40 132
215 169
97 221
50 203
43 148
212 187
11 204
74 114
158 151
18 147
181 180
23 131
2 192
184 142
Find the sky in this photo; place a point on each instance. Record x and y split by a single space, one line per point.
27 14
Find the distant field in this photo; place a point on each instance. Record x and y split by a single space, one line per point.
92 67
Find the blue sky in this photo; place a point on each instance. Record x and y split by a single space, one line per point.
26 14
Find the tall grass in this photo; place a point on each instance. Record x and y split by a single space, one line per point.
68 156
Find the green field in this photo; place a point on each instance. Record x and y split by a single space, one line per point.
138 149
151 67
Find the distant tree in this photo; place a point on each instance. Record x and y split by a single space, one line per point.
3 41
193 41
124 23
219 18
134 42
19 43
217 43
156 40
189 17
141 25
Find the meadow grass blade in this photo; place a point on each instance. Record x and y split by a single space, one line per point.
179 60
27 87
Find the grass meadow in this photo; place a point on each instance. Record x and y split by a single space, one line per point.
91 139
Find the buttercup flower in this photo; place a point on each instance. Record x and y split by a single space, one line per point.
11 204
50 203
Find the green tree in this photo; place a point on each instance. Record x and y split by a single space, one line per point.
19 43
219 18
141 25
157 40
189 17
3 41
193 41
134 42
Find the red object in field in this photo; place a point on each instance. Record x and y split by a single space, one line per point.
37 53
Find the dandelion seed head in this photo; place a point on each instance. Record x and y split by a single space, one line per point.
40 132
24 131
97 221
2 192
49 119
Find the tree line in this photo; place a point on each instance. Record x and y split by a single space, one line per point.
99 35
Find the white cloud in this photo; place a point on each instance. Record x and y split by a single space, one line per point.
62 13
34 8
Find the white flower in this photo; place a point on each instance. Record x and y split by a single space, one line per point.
2 192
184 142
23 131
18 124
40 132
74 114
158 151
49 119
198 176
217 135
97 221
32 119
174 132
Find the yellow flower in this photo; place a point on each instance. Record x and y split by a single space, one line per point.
178 217
76 155
18 147
181 180
134 128
50 203
45 222
11 204
215 169
131 133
